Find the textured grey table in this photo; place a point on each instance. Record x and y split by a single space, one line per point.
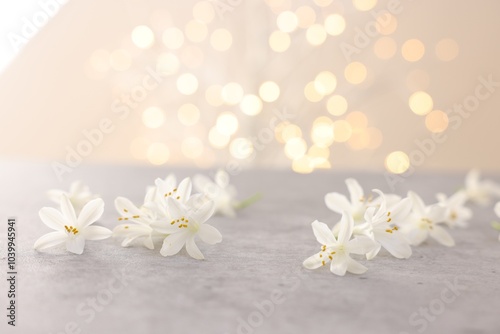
259 259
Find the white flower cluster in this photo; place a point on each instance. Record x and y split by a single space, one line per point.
170 212
387 221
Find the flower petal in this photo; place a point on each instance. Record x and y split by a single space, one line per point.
395 244
203 213
401 210
174 209
75 245
497 209
372 254
126 208
53 218
418 204
67 209
337 203
355 267
174 243
346 226
437 213
339 264
193 250
96 233
184 190
209 234
355 190
165 227
322 233
92 211
442 236
50 240
55 195
222 178
361 245
148 243
415 235
313 262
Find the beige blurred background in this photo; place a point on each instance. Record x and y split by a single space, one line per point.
355 84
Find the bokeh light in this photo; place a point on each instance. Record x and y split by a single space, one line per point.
120 60
295 148
336 105
386 23
420 103
187 84
306 16
158 153
173 38
325 82
232 93
217 139
143 37
221 40
269 91
355 73
316 34
385 48
227 123
447 49
334 24
436 121
188 114
279 41
397 162
241 148
192 147
413 50
153 117
251 105
364 5
196 31
167 64
213 95
287 21
204 11
342 130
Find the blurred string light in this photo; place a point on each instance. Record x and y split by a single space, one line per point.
185 47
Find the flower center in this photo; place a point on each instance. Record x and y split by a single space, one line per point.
182 222
426 224
453 215
172 193
71 229
326 254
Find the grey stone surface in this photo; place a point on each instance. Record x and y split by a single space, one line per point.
260 256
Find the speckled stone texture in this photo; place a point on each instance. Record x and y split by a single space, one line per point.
253 282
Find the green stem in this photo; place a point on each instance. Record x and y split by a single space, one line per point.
249 201
495 225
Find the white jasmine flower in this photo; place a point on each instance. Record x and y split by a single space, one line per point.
72 229
424 221
357 203
137 222
382 226
480 191
337 250
220 191
457 214
187 222
79 195
497 212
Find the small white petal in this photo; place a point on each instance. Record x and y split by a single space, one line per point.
125 207
415 235
372 254
174 209
395 244
346 226
442 236
184 190
193 250
174 243
355 190
67 209
209 234
165 227
339 264
497 209
419 207
337 203
322 233
50 240
313 262
361 245
401 210
53 218
91 212
96 233
355 267
222 178
203 213
76 245
148 243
